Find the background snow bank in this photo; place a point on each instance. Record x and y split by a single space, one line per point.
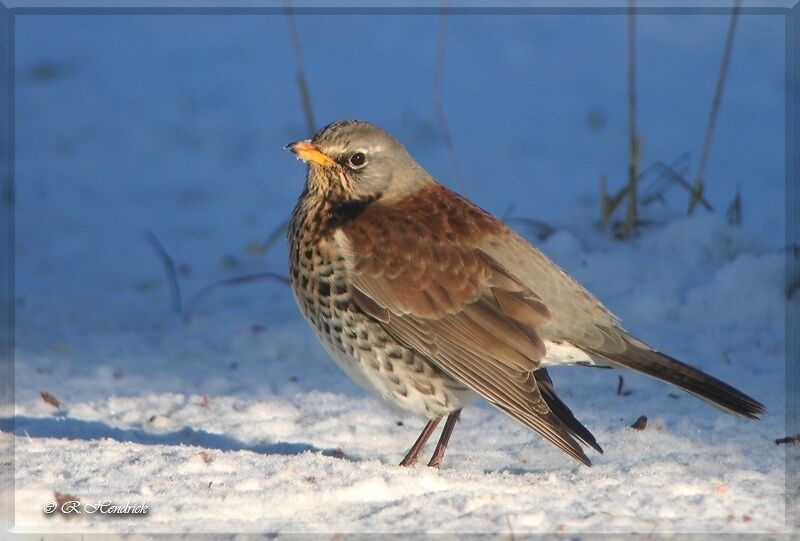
238 421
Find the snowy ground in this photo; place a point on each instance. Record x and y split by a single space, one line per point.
237 421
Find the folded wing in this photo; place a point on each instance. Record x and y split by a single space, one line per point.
458 306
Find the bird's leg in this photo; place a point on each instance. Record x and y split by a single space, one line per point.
411 456
449 425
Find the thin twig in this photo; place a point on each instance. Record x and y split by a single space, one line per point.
274 236
604 211
540 229
169 269
734 213
510 529
678 179
613 202
668 170
437 101
238 280
620 385
300 77
664 180
609 204
675 165
697 190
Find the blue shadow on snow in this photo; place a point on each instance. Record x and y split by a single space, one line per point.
77 429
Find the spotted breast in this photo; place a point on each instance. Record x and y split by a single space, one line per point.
401 376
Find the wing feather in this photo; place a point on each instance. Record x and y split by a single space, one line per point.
457 306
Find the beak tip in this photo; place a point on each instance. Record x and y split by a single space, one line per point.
310 153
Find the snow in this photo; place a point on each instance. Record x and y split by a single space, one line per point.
238 421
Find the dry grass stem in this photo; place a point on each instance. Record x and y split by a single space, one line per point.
632 214
697 189
238 280
169 269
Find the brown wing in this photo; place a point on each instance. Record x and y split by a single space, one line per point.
459 307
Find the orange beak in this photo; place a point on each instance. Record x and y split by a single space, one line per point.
309 152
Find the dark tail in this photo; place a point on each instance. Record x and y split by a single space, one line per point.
561 411
652 363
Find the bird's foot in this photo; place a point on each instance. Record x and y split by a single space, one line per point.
436 462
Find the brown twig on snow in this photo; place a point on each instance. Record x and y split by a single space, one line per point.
437 101
697 189
50 399
169 269
640 423
788 439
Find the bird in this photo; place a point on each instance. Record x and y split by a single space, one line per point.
429 302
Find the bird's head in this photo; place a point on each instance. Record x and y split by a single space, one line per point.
353 160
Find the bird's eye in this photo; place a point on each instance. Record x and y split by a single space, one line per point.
357 160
